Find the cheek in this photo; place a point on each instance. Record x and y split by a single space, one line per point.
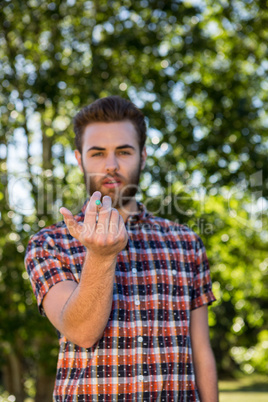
134 162
90 164
131 168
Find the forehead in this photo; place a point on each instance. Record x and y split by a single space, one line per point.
110 134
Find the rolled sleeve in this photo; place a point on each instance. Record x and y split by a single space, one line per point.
46 264
202 285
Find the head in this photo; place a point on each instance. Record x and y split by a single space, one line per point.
108 110
110 137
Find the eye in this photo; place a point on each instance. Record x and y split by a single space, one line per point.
97 154
124 153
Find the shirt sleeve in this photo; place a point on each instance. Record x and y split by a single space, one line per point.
202 286
46 264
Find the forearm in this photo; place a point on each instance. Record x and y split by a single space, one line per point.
206 376
86 313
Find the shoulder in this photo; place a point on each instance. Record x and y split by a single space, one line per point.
56 233
173 228
49 235
53 240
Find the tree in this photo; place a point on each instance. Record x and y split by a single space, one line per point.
198 70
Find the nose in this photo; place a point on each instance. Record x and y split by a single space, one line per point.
111 163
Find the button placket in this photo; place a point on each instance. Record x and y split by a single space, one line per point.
139 338
137 302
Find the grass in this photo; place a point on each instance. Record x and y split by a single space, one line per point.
252 388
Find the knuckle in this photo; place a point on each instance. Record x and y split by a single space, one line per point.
90 209
87 236
103 211
110 240
114 212
105 208
100 241
100 230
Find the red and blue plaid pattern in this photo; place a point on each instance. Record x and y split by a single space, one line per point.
145 352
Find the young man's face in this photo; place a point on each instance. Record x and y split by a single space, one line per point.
111 160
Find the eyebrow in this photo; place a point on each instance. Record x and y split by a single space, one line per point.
103 149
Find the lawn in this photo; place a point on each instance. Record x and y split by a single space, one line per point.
253 388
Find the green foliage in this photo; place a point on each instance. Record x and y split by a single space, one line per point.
198 70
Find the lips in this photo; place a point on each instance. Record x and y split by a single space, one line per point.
111 182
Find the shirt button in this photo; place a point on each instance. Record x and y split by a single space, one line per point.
137 302
140 338
134 270
174 272
140 377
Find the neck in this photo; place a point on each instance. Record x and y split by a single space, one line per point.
129 209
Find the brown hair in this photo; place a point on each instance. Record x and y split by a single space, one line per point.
109 109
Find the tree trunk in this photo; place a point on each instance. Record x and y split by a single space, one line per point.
44 386
47 151
13 377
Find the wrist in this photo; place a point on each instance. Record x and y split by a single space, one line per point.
99 259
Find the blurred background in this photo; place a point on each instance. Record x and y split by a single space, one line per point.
199 72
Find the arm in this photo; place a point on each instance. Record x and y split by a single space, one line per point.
203 358
81 311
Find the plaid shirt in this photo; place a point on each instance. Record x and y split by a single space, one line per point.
145 351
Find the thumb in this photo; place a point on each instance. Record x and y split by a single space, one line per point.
71 223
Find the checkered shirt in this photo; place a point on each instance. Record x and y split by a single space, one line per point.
145 352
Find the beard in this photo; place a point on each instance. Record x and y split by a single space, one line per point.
122 195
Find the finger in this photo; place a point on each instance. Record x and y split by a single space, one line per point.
121 226
105 213
114 222
72 225
99 205
122 230
92 210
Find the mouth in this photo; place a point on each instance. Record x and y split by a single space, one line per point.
111 183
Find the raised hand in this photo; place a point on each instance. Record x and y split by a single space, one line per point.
105 237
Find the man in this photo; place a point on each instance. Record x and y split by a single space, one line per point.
127 291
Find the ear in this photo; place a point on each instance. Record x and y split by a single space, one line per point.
143 158
78 157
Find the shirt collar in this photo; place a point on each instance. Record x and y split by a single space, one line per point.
140 215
